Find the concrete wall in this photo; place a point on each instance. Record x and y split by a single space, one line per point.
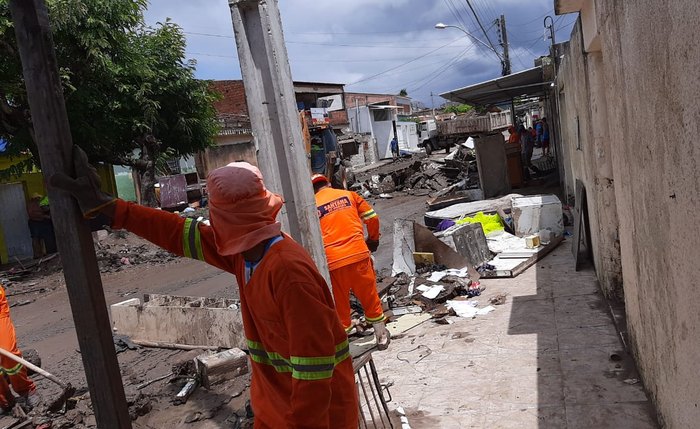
637 103
227 149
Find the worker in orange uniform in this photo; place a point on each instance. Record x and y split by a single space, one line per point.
342 214
302 375
12 373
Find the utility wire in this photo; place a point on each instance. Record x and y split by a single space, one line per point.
444 69
403 64
481 26
440 67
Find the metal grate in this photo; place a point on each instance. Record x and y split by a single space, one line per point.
374 412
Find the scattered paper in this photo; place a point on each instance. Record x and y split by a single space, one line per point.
433 292
485 310
469 309
464 272
463 308
423 288
437 276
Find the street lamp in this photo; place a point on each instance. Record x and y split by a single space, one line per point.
441 26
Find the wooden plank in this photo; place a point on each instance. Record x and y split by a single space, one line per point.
267 78
53 138
527 263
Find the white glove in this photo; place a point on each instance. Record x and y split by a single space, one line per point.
382 335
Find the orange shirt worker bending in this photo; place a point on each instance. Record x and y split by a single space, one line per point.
302 375
342 214
12 373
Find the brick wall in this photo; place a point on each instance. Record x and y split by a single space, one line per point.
233 101
365 99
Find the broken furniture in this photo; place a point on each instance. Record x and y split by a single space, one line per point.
197 322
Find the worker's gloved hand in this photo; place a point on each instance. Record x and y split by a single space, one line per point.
85 188
372 245
382 335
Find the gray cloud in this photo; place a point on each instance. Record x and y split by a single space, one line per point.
373 42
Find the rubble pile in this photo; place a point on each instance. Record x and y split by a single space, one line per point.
419 175
116 250
430 289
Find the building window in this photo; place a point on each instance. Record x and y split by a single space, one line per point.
380 115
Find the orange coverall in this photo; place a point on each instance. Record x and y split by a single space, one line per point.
342 214
302 375
10 370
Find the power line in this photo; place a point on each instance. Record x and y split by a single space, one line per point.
481 25
403 64
539 18
444 69
432 72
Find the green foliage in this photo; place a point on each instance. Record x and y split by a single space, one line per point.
460 108
130 94
403 93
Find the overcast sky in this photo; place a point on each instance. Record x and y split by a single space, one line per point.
375 45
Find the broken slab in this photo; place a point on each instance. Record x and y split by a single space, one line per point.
218 367
404 247
469 241
193 321
425 241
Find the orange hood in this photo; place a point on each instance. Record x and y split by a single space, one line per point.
242 211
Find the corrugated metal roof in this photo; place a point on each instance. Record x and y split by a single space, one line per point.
527 83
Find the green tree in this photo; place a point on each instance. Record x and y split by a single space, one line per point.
403 93
460 108
130 94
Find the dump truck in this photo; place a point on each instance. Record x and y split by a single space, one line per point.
438 134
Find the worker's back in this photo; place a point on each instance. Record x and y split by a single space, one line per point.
342 227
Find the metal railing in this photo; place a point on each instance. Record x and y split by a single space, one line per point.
374 411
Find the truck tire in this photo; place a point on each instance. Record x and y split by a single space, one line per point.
428 148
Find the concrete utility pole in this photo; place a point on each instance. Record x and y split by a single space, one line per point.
504 44
53 139
269 90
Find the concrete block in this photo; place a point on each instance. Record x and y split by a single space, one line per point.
404 247
181 320
217 367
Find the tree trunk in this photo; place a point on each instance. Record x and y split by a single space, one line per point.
148 190
147 170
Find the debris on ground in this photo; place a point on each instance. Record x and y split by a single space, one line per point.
499 299
421 176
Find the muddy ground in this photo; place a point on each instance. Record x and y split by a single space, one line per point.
44 322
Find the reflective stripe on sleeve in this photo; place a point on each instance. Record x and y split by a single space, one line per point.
192 240
376 319
302 368
368 215
11 371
